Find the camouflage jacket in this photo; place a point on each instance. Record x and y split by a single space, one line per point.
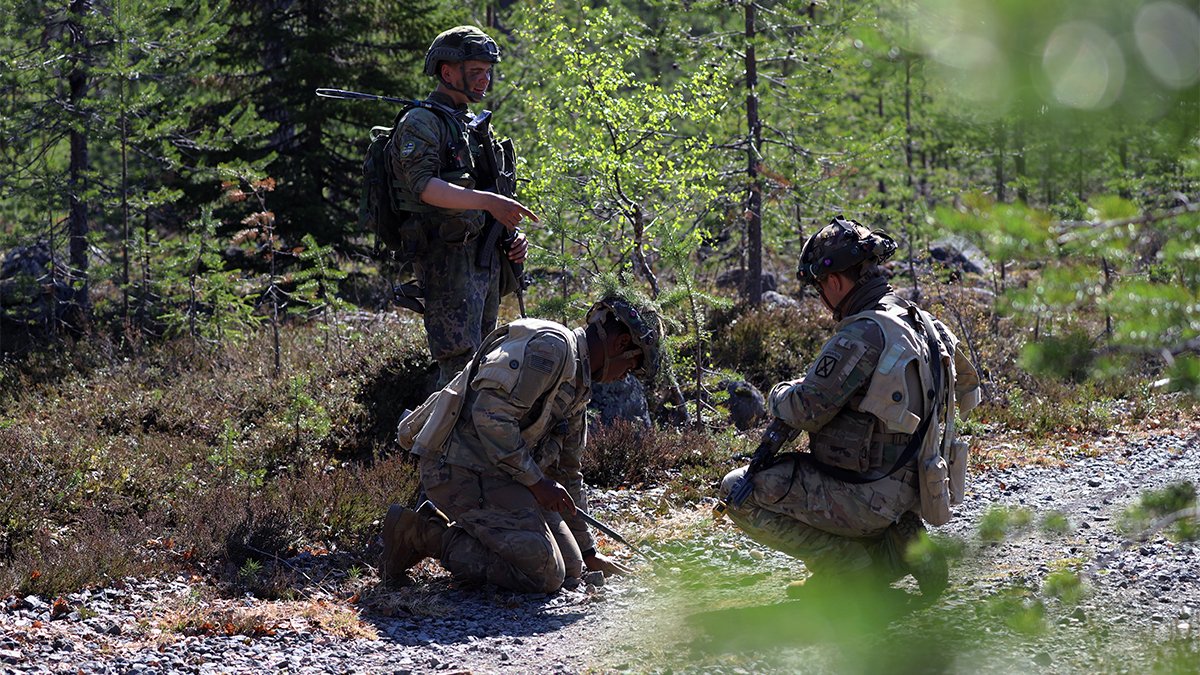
831 401
524 416
425 145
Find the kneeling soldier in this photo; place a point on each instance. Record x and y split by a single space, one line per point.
500 452
878 399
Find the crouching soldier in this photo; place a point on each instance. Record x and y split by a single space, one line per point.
500 452
878 404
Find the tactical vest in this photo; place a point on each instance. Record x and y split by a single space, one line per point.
457 158
872 430
427 430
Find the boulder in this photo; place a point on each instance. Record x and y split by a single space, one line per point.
957 252
621 400
777 299
34 302
746 404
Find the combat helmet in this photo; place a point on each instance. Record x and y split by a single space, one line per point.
645 330
458 44
839 246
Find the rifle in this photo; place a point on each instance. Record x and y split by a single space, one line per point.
347 95
499 175
777 433
587 518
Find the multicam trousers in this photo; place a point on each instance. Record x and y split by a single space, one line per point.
829 524
462 303
500 534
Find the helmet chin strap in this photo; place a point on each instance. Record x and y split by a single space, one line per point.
837 309
462 70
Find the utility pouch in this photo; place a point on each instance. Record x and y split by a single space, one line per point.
959 453
506 168
846 442
429 426
414 237
934 477
461 227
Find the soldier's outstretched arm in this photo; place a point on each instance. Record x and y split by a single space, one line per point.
506 210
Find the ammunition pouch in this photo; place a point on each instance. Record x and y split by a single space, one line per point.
459 228
512 277
848 442
413 239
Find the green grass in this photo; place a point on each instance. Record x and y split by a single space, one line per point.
1171 501
1000 521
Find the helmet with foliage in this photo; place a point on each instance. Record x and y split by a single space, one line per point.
841 245
461 43
645 330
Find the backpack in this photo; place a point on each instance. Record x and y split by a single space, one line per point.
375 205
397 229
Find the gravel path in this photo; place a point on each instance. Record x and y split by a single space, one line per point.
1007 610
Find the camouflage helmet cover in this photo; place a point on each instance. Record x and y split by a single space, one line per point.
840 245
458 44
645 330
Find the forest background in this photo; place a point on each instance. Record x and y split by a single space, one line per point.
201 362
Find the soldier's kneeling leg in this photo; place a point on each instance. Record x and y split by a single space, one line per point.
500 535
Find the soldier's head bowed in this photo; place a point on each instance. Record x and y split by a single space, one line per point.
612 318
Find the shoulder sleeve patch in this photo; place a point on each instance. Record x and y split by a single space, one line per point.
544 356
838 358
542 363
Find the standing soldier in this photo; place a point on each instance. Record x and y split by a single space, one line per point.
883 387
458 183
500 452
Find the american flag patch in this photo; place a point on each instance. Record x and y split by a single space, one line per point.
541 363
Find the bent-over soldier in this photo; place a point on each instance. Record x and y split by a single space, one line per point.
501 447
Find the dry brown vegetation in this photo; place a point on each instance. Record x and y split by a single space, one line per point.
111 466
128 462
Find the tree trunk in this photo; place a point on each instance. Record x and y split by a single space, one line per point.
1019 163
77 221
753 282
1001 147
908 175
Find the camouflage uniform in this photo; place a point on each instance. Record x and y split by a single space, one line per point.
522 420
800 505
462 296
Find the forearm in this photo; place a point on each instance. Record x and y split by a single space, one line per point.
568 471
801 408
445 195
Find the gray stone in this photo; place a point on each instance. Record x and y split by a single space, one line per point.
621 400
777 299
746 404
955 251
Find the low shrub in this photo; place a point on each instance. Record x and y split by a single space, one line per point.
200 456
769 344
627 453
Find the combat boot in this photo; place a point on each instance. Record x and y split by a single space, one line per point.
908 543
408 538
